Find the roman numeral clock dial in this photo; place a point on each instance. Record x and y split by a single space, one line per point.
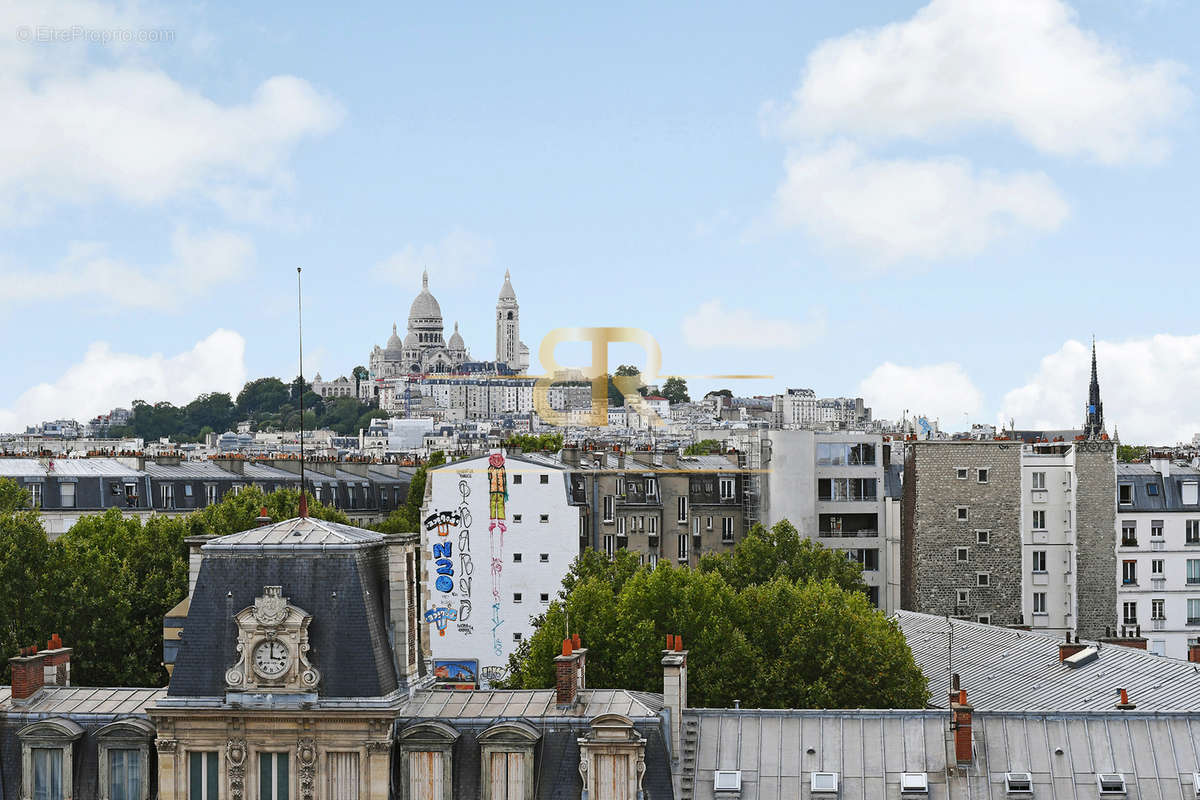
271 658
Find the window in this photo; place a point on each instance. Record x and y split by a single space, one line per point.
1152 489
517 478
1039 520
1156 568
620 526
1158 609
1037 480
726 529
516 518
543 478
1192 531
1129 613
708 523
653 525
983 579
35 495
1018 782
983 474
961 473
962 554
517 558
1193 570
620 486
168 495
1039 560
543 518
1129 572
1156 529
984 619
544 558
517 637
1039 602
1190 492
202 776
962 514
683 547
544 597
1125 494
608 508
273 776
66 493
1193 611
846 489
726 488
516 597
210 494
652 487
870 559
1113 783
983 537
695 526
823 782
609 542
1129 533
964 596
682 508
47 773
343 776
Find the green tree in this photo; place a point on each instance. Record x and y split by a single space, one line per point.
675 390
12 497
702 448
342 415
215 411
778 551
360 374
264 395
783 637
1127 453
25 567
407 518
532 443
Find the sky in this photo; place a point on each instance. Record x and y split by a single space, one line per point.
932 205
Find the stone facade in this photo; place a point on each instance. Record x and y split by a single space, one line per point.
1096 558
933 571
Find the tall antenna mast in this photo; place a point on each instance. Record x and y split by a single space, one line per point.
300 340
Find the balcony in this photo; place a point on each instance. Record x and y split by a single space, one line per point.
1128 542
863 533
1158 624
1158 544
1193 621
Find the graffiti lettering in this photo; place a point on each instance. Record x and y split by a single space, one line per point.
441 617
464 611
493 674
496 623
442 549
442 522
465 629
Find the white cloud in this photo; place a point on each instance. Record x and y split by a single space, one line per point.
712 325
1021 65
452 261
199 262
1150 389
938 391
891 210
105 379
102 121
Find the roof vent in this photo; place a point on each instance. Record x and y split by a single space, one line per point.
1084 656
824 782
914 783
1018 782
1111 783
727 780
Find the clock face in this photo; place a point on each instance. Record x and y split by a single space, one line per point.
271 658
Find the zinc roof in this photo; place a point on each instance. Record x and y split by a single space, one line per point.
296 532
446 704
65 467
1004 668
76 700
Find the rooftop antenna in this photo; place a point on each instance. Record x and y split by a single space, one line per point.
300 341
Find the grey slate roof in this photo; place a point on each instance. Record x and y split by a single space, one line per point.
66 467
514 703
1003 668
296 532
1169 497
778 750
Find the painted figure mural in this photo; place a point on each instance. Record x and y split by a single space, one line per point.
497 491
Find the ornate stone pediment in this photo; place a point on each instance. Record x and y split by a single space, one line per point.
272 647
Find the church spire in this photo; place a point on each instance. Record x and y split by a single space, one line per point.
1093 424
425 279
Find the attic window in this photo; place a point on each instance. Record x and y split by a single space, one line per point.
824 782
1018 782
1196 784
1111 783
727 780
1152 489
914 783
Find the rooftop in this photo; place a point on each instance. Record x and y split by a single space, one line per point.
304 532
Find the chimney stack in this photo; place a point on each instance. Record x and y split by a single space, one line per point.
56 662
263 518
1124 704
1068 649
28 674
960 715
566 682
674 664
1194 651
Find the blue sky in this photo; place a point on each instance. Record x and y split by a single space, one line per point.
934 205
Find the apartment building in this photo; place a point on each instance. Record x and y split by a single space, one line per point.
1158 553
1005 532
661 505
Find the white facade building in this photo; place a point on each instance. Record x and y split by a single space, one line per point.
1048 547
490 564
1158 554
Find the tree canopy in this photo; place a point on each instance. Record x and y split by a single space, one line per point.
775 635
407 517
675 390
702 448
531 442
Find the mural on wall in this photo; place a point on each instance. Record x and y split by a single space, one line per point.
465 566
456 674
497 526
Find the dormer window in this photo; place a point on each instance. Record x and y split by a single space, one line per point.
48 758
124 759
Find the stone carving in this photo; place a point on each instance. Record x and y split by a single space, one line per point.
273 619
306 757
272 607
235 754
